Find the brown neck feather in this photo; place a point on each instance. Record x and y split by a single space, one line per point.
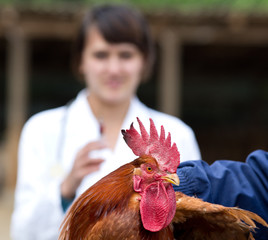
111 193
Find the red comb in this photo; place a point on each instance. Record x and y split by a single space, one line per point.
167 156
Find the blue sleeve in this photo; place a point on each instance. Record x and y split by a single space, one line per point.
230 183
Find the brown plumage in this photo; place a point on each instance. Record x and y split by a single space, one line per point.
197 220
137 201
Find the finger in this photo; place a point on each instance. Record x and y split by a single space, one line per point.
94 161
96 145
90 162
85 167
90 169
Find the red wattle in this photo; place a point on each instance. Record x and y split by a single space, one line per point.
157 207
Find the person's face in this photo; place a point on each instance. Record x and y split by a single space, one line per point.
112 71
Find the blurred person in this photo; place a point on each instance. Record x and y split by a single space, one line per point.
64 151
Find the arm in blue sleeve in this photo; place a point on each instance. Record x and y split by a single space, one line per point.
229 183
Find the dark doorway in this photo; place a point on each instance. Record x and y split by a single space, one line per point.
225 99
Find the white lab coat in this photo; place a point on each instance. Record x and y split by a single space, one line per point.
47 149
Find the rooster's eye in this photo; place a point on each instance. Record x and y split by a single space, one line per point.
149 169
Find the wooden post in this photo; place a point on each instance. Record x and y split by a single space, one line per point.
17 97
170 75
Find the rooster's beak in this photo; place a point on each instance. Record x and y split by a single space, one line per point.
172 178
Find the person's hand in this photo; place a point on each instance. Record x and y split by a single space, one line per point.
83 165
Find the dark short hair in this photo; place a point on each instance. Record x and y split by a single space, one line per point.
117 24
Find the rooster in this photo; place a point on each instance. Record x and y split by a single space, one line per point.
137 201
